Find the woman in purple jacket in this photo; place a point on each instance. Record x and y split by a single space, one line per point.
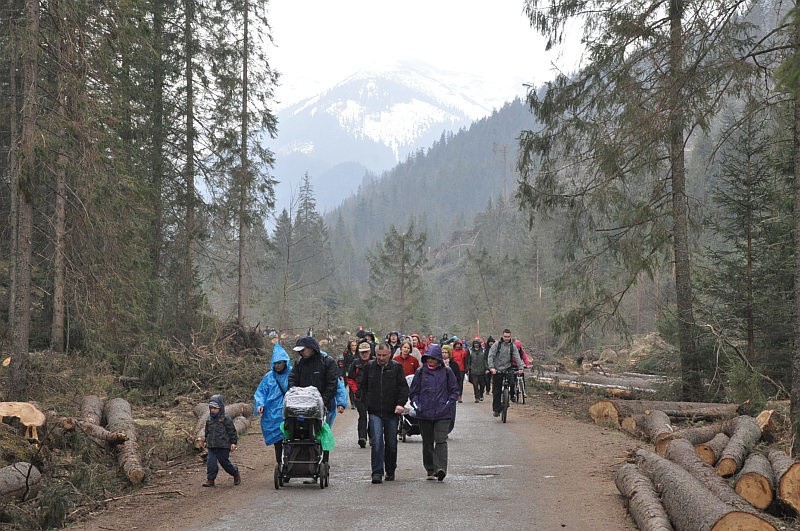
433 394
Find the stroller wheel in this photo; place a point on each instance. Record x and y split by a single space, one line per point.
327 475
278 479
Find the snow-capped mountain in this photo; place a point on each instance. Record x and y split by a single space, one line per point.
367 123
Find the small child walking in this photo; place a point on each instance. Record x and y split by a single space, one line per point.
221 438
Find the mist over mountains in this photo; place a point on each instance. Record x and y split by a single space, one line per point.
365 125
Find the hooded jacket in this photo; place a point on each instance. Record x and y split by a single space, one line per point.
476 361
269 395
220 431
318 371
459 355
434 392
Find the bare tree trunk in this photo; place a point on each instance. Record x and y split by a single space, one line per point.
691 368
189 170
60 204
22 176
244 175
795 392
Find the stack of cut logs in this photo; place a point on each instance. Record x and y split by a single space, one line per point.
707 477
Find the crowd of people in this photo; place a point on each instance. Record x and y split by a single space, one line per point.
374 378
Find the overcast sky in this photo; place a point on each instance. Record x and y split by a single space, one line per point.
321 42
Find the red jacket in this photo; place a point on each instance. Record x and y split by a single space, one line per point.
410 364
459 355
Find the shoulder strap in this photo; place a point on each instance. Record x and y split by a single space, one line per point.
283 391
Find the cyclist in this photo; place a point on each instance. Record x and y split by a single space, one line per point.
501 356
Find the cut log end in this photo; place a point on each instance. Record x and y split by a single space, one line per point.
756 489
726 467
740 521
789 487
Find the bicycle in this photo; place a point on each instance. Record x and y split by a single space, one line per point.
505 393
520 388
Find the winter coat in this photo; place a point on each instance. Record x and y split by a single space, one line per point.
269 395
383 387
459 355
347 360
319 371
434 392
354 374
476 361
410 364
501 355
220 431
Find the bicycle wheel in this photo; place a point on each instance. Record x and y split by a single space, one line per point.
504 412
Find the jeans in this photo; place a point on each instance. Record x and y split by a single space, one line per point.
434 444
221 455
383 435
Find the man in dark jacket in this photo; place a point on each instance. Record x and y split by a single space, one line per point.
384 390
433 393
317 370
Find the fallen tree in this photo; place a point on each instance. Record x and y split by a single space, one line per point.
643 502
120 419
787 479
20 480
756 482
743 439
710 451
612 411
94 431
696 435
689 504
651 425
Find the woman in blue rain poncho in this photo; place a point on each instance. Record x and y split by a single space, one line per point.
269 399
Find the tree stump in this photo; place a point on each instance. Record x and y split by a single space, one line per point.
120 419
744 438
710 451
756 482
20 480
689 504
787 479
644 504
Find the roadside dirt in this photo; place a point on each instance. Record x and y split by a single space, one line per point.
173 498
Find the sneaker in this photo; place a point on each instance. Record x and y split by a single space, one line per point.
389 476
496 413
431 476
376 478
362 443
440 474
209 483
477 400
237 479
481 399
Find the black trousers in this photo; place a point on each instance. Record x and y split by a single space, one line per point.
478 385
434 444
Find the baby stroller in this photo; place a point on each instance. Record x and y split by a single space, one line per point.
303 415
409 425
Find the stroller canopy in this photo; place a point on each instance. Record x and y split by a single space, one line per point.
303 402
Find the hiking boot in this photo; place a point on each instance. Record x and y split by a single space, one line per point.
237 478
362 443
376 478
496 413
209 483
477 400
390 476
440 474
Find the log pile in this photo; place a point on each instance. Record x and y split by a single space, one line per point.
119 418
706 477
